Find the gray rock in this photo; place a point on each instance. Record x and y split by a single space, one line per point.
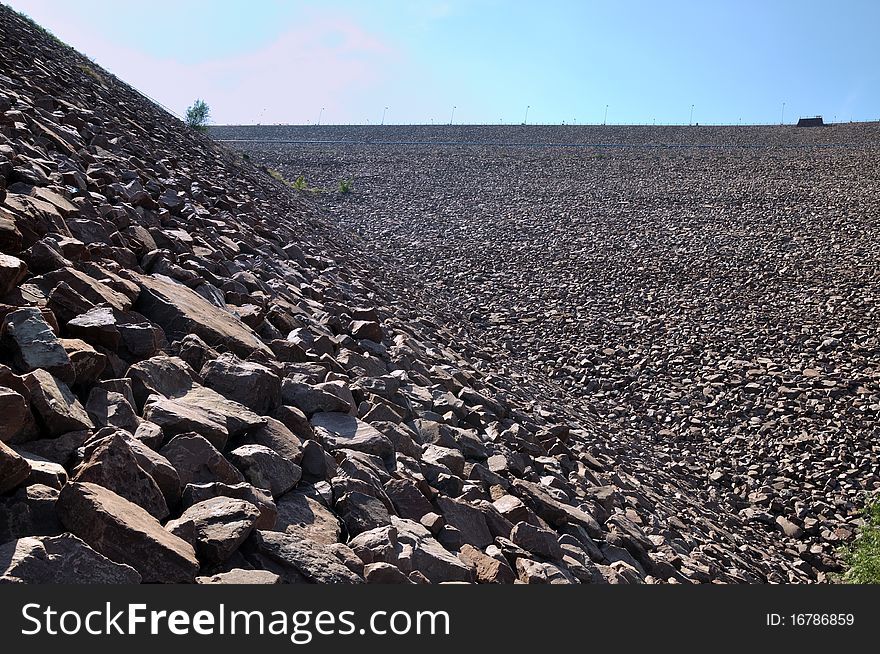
63 559
265 468
56 408
220 526
347 432
245 382
301 561
199 492
238 576
33 344
311 399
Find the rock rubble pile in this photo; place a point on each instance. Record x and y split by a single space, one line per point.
203 378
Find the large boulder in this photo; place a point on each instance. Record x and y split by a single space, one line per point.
265 468
63 559
16 414
124 532
408 540
278 437
12 271
56 407
203 411
298 560
347 432
218 526
199 492
110 462
305 517
468 519
14 469
197 461
311 399
34 345
248 383
181 311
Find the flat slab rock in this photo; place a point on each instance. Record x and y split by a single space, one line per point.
34 345
54 405
203 411
347 432
303 560
126 533
239 576
63 559
181 311
302 516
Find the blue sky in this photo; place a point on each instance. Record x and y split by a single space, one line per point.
267 61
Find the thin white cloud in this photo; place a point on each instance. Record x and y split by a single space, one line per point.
322 62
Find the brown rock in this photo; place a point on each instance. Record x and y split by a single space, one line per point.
14 469
408 500
16 414
361 512
488 570
276 436
88 363
197 461
56 408
126 533
195 493
305 517
110 462
203 411
44 471
467 519
12 271
384 573
181 311
536 540
367 329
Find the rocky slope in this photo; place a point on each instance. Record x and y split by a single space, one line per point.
204 378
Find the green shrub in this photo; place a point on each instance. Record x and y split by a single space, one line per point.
197 115
346 186
300 183
862 558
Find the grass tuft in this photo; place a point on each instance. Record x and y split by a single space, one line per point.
862 557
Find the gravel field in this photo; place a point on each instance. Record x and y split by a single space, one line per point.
716 307
506 356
